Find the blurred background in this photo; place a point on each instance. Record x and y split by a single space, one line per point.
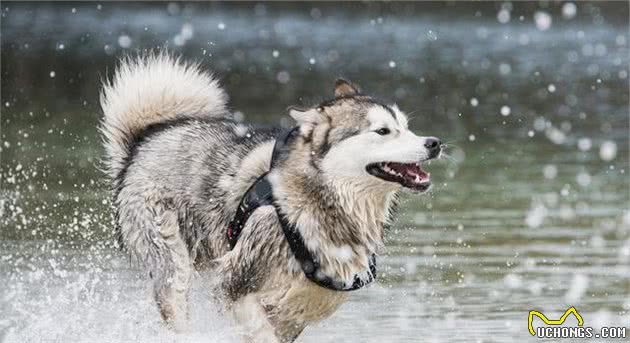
529 211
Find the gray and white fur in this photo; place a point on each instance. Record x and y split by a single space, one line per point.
179 165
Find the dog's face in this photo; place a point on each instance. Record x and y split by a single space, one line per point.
355 136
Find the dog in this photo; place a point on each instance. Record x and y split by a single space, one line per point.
289 221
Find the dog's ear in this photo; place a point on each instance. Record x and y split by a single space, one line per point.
307 119
345 88
297 113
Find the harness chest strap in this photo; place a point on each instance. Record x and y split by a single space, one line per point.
261 194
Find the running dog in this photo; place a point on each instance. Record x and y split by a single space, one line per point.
290 221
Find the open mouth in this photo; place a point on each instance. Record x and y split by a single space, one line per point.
408 175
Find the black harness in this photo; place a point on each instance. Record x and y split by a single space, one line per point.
261 194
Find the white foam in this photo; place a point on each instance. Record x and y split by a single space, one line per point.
59 304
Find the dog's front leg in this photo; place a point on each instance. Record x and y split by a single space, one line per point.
252 319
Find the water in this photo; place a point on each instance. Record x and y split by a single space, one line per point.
529 212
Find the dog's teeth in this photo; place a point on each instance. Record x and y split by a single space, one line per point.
389 170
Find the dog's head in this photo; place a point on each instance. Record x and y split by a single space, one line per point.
355 136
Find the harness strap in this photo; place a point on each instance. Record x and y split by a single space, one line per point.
261 194
257 195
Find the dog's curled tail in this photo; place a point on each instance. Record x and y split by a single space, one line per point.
151 89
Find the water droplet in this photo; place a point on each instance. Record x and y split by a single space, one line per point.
608 150
283 77
512 281
536 215
550 171
187 31
173 8
109 50
583 179
543 20
432 35
124 41
505 69
179 40
584 144
569 10
503 16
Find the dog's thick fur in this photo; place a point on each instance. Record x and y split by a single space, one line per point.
179 165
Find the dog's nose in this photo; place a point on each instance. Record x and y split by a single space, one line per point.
433 145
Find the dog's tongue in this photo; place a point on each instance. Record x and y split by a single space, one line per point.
410 170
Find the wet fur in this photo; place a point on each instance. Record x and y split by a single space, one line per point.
179 165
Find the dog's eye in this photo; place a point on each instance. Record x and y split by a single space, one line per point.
384 131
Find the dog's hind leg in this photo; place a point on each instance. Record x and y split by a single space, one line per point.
149 229
172 277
